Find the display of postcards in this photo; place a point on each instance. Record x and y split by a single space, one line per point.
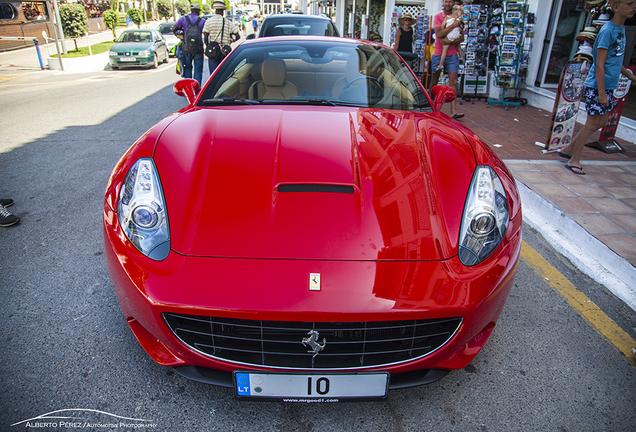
505 80
508 60
469 71
507 69
470 56
474 8
511 30
471 47
509 39
474 16
473 32
514 6
509 46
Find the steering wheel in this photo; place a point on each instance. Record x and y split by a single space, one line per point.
375 91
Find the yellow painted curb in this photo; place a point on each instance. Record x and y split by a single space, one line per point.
580 302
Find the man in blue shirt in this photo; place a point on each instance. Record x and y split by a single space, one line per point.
602 80
192 57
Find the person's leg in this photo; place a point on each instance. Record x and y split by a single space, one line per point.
451 66
198 68
212 64
442 58
187 65
452 81
434 65
593 123
596 118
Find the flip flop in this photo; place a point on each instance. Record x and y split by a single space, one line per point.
457 116
563 155
574 167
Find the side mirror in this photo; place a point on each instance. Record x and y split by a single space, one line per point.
187 88
442 94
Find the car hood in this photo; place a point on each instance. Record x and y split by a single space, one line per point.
131 46
288 183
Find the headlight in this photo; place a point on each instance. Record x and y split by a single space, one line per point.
485 218
144 53
142 210
113 54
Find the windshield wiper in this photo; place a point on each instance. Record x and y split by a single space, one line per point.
229 101
301 101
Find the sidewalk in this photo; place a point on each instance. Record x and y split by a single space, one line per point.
589 218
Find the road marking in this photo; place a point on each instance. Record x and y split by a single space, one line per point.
580 302
10 77
72 80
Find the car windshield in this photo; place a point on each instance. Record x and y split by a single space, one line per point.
165 28
295 25
135 36
316 73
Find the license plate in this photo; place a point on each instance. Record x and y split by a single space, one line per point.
131 59
311 387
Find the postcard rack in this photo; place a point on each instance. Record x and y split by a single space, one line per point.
510 51
476 52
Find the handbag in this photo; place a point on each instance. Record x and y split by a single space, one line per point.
215 50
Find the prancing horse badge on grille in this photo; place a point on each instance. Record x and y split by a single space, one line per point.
311 341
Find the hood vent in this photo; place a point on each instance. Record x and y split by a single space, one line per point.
326 188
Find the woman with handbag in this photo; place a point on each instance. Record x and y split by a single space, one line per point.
217 34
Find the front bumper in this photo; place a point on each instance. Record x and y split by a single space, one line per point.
278 290
123 61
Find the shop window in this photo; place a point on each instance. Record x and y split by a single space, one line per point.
8 11
569 21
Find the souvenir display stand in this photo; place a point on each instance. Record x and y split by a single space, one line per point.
476 52
526 47
510 51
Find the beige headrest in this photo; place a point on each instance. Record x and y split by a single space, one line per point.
273 72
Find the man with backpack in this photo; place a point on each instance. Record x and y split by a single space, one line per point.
220 31
192 45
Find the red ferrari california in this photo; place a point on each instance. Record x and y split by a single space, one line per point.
311 227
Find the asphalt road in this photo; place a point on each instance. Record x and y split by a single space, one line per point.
66 345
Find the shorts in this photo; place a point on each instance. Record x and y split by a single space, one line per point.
451 64
593 106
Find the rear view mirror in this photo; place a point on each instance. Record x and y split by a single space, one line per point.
442 94
187 88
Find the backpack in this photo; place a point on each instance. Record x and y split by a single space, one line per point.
192 40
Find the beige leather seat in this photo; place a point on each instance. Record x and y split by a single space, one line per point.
273 84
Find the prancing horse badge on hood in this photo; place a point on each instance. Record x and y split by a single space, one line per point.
314 281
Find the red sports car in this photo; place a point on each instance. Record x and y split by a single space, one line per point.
311 226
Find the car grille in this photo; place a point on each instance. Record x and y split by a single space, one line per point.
279 343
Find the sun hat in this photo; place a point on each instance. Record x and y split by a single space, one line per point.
195 6
405 17
218 4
